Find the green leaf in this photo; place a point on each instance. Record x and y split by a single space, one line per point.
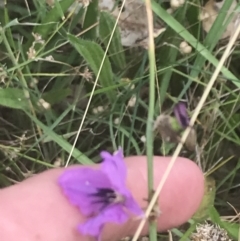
13 98
231 228
203 211
90 19
55 96
116 51
93 55
52 18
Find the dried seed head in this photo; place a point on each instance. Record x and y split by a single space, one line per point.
210 232
58 162
33 83
50 2
3 74
38 38
210 12
100 109
132 101
44 104
164 125
31 53
170 10
132 86
191 140
95 111
187 50
87 75
183 45
170 130
203 15
49 58
85 3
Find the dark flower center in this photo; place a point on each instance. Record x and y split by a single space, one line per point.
106 196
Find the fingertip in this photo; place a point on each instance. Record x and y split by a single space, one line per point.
181 194
179 199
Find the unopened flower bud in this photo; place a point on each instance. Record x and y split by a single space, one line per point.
176 3
116 121
185 48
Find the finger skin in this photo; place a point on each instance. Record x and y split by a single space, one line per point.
36 209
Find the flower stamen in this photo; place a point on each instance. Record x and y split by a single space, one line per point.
107 196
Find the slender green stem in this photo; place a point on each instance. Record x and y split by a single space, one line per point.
149 132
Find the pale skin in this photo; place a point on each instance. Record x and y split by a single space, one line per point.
36 209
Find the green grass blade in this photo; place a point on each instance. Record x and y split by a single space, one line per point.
106 25
61 142
174 24
210 42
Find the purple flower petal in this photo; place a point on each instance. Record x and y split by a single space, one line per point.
101 194
78 184
131 204
112 214
114 167
180 111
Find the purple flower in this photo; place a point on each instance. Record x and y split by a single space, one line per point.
180 112
100 194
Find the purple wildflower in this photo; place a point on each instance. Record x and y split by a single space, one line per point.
180 112
100 194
